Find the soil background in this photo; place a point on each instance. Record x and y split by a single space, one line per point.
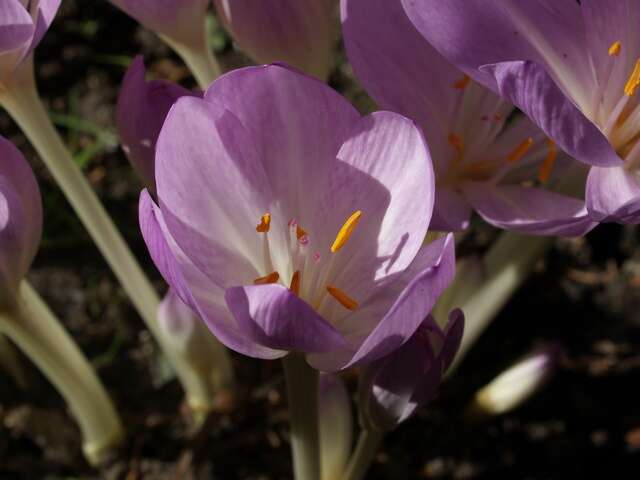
585 295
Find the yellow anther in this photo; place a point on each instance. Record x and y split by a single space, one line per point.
614 49
345 300
520 151
295 283
544 172
273 277
634 81
345 232
456 142
462 83
300 232
265 223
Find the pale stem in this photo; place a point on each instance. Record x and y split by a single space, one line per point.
21 100
366 449
199 58
38 333
302 389
508 262
11 363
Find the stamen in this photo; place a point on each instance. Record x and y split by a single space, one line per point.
462 83
265 223
547 165
634 81
456 142
614 49
273 277
520 150
345 232
344 300
295 283
300 232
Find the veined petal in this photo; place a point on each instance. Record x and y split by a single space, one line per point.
273 316
16 26
383 169
613 195
528 86
529 210
192 286
451 212
212 189
45 12
399 68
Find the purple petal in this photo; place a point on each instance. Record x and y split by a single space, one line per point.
398 67
613 194
411 307
20 219
528 86
529 210
43 17
451 212
16 26
275 317
385 171
140 113
192 286
213 190
298 32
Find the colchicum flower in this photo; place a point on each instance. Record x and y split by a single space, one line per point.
291 223
573 68
23 23
141 110
298 32
20 221
393 387
485 158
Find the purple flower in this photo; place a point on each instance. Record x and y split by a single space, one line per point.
485 159
23 23
179 20
571 67
392 388
141 111
298 32
20 220
291 223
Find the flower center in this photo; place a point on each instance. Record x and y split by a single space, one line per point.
312 274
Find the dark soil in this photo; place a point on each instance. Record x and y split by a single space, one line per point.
584 295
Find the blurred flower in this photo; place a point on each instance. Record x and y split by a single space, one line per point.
20 221
336 426
298 32
23 23
342 204
180 20
141 110
519 382
572 67
392 388
485 159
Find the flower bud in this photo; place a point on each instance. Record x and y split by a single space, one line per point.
180 20
392 388
336 426
141 110
20 221
298 32
21 29
519 382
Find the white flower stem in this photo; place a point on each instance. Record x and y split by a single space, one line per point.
38 333
366 449
302 389
199 58
508 263
21 100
